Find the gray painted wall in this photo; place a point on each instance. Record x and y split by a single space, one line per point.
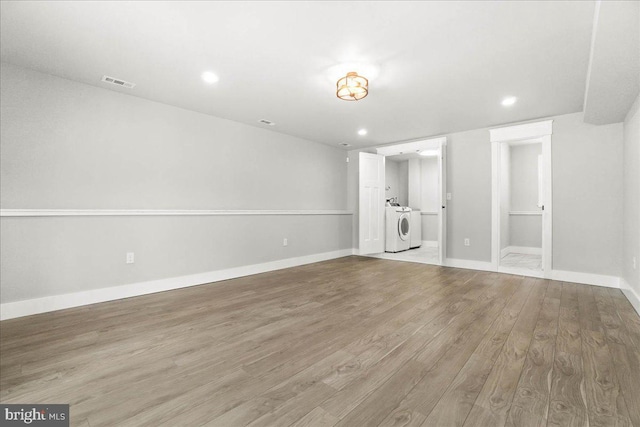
587 196
524 177
430 227
392 179
403 182
415 184
429 197
469 182
397 177
631 208
429 191
524 230
52 256
66 145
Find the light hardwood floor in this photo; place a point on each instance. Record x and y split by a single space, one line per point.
349 342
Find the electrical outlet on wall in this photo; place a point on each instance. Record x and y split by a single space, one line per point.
285 242
635 264
467 242
130 258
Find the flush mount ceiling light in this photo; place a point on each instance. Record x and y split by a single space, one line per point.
508 101
352 87
209 77
362 132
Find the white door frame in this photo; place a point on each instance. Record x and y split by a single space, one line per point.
439 144
542 130
442 211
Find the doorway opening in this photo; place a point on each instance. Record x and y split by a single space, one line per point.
522 233
411 202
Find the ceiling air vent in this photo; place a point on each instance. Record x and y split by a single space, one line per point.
117 82
266 122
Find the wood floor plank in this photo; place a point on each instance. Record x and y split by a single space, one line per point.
318 417
354 341
455 404
625 358
382 401
605 403
445 355
567 403
531 400
272 399
494 401
450 316
628 315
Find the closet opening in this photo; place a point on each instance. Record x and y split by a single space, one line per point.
522 232
405 208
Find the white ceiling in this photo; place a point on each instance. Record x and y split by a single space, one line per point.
434 67
615 57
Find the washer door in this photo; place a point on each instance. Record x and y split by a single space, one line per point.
404 226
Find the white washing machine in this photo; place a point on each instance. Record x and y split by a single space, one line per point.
398 229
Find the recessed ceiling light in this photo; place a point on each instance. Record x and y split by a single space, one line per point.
362 132
345 144
510 100
209 77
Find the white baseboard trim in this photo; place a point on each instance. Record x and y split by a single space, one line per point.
430 243
521 272
520 250
631 294
586 278
469 264
59 302
563 276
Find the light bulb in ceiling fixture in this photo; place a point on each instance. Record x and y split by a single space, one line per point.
508 101
209 77
362 132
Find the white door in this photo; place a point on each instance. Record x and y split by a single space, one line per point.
371 206
442 215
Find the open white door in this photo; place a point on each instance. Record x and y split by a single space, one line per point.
442 215
371 207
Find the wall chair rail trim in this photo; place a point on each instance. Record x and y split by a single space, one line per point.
162 212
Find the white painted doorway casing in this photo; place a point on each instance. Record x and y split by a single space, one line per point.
371 203
542 131
442 213
439 147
